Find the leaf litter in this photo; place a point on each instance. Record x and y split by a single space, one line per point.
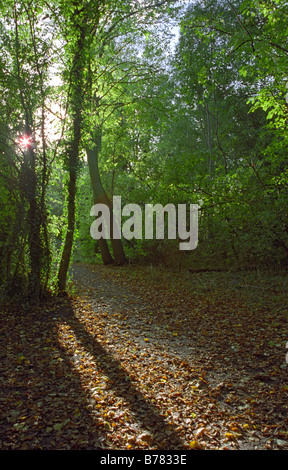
138 358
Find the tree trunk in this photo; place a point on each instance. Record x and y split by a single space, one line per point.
34 227
73 156
105 252
67 250
100 197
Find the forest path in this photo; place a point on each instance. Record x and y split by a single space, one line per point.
146 358
212 360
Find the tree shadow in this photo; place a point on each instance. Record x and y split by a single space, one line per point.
41 397
147 415
43 402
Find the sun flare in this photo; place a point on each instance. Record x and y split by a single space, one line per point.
25 141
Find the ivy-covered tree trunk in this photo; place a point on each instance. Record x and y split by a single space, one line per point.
29 183
34 232
73 155
68 244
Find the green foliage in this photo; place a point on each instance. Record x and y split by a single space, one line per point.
203 120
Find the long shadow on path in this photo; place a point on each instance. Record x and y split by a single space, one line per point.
44 404
145 413
42 401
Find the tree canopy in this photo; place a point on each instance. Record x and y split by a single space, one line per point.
100 98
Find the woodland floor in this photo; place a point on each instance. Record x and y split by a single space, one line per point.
143 358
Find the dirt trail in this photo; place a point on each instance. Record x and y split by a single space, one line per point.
129 309
198 361
144 359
